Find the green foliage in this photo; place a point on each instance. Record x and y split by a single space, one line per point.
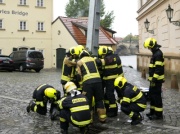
80 8
131 38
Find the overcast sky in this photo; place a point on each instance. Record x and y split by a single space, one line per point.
125 12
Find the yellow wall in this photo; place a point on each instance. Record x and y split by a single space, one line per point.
61 39
11 36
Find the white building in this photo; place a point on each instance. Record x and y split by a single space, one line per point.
167 34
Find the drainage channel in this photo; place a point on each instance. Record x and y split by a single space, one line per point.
10 98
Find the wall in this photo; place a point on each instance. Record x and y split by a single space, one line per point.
61 39
11 37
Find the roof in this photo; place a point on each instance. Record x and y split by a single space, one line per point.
74 26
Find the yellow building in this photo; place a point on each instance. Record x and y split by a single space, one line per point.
167 34
26 24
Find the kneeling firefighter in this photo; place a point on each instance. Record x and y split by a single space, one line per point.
41 95
74 109
132 99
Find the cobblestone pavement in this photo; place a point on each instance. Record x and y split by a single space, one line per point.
16 90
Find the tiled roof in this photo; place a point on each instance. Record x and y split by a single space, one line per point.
73 25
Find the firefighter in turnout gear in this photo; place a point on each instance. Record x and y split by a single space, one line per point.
74 109
41 95
132 99
68 68
156 78
91 83
112 68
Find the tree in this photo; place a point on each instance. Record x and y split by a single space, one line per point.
80 8
130 38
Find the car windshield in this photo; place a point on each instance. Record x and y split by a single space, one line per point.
35 55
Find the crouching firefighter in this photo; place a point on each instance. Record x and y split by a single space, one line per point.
41 95
74 109
132 99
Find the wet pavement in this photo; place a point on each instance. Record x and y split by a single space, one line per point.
16 90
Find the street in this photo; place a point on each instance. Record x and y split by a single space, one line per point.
17 87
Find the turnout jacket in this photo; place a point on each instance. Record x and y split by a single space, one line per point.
131 94
88 70
78 107
39 95
156 66
112 67
68 70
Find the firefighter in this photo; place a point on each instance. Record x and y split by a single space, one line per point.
41 95
68 68
132 99
112 68
91 83
156 78
74 109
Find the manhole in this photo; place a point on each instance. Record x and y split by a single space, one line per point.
95 129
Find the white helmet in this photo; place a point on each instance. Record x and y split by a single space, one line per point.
69 86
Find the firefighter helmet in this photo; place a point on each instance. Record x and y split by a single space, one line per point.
102 51
50 92
80 48
150 43
74 51
110 50
69 86
119 82
84 53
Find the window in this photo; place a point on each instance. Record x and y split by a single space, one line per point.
22 2
1 23
22 25
40 3
1 1
40 26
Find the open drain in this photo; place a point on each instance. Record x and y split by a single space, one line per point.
95 129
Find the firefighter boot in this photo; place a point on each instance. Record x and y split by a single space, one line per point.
64 131
156 116
136 119
83 130
28 108
112 112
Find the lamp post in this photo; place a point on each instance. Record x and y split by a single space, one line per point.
147 23
169 13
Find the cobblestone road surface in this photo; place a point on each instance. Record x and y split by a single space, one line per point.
16 90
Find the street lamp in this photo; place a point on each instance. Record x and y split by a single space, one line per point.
147 23
169 13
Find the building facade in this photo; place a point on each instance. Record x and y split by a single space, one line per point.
26 24
167 34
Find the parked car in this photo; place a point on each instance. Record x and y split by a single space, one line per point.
6 63
27 59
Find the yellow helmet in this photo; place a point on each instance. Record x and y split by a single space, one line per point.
50 92
84 53
150 43
80 48
119 82
102 50
74 51
110 50
69 86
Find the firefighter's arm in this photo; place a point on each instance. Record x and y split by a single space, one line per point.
60 103
69 62
78 69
